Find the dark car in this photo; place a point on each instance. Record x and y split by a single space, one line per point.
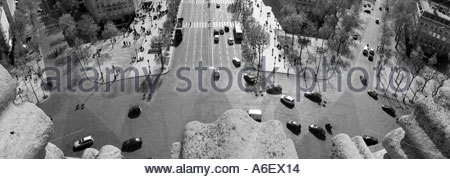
216 32
367 11
216 74
381 8
370 58
329 128
377 21
369 140
317 131
250 79
294 127
221 31
373 94
132 144
363 80
355 36
314 96
276 89
236 62
217 5
227 29
389 110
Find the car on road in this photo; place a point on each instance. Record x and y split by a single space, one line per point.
250 79
236 62
216 39
216 74
365 5
274 89
363 80
355 36
377 21
83 143
314 96
366 50
255 114
371 52
132 144
369 140
389 110
373 94
371 58
294 127
381 8
367 11
216 32
317 131
329 128
368 5
230 41
221 31
217 5
288 100
226 28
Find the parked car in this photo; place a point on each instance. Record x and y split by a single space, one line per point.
377 21
217 5
314 96
389 110
381 8
294 127
371 52
250 79
226 28
230 41
83 143
216 32
276 89
132 144
221 31
255 114
370 58
236 62
367 11
355 36
368 5
288 100
366 50
373 94
317 131
369 140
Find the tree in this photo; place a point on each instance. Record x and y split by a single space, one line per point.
428 75
68 25
292 24
415 65
257 38
403 18
159 40
109 30
88 27
439 83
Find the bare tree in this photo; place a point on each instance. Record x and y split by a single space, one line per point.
439 83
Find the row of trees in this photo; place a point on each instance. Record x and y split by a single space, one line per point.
87 27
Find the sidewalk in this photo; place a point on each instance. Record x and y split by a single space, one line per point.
127 50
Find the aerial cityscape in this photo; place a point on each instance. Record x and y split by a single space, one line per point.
225 79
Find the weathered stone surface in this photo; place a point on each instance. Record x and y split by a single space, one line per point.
90 153
24 131
433 117
109 152
364 151
382 154
398 146
53 152
235 135
175 150
419 138
7 88
344 148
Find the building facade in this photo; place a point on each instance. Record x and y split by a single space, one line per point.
112 9
433 26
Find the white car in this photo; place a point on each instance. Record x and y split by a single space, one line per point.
372 52
288 99
83 143
255 114
366 49
216 38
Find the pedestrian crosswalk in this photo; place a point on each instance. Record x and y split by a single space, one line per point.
206 1
207 25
